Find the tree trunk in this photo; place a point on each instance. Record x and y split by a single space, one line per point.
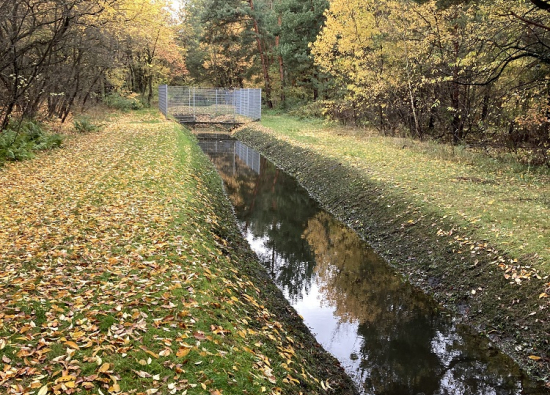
456 124
150 95
281 63
263 58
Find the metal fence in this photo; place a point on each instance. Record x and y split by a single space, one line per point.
229 150
210 105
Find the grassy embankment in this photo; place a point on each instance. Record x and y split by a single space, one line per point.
121 271
471 230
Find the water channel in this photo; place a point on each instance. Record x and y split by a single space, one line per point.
389 337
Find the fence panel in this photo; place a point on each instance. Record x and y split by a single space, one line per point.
163 99
210 105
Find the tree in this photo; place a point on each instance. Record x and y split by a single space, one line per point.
231 43
147 54
223 42
33 44
452 71
55 53
299 23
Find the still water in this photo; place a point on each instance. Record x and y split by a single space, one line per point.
389 337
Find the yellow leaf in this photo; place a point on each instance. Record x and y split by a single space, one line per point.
72 345
182 352
104 368
64 379
151 353
70 384
543 295
43 390
534 357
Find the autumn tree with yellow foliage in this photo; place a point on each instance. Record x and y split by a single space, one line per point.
55 54
459 72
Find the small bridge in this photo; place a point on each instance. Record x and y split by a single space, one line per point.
192 105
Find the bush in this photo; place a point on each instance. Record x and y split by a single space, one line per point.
20 140
84 125
124 103
314 109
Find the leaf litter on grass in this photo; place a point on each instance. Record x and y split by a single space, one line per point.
112 281
498 208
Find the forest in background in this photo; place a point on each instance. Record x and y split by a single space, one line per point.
55 54
464 72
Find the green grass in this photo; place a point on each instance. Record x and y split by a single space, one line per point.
491 199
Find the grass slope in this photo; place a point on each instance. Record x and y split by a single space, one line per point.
474 233
122 272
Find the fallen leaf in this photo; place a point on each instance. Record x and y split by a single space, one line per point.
64 379
182 352
72 345
199 336
142 374
151 353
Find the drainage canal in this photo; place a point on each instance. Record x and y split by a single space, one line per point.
389 337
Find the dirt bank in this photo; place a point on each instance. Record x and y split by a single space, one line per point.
457 271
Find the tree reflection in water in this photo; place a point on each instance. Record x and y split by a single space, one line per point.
391 338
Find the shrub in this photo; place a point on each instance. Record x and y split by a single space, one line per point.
314 109
124 103
20 140
84 125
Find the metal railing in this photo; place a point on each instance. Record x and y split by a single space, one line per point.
210 105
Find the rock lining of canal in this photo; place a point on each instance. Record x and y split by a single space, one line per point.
496 308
